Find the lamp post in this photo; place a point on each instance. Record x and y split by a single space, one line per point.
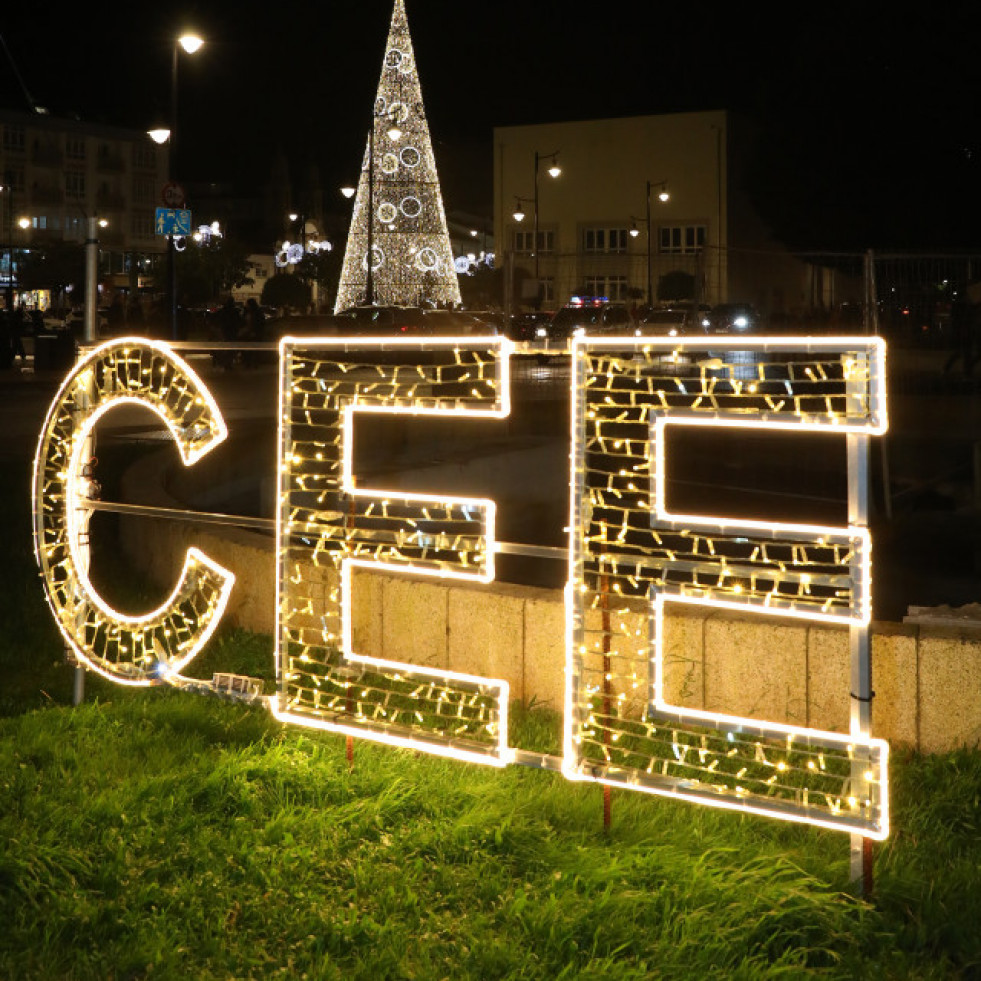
662 196
190 43
93 224
553 172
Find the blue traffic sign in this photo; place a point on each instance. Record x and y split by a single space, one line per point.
172 221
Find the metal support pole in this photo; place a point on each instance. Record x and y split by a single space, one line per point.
89 328
171 172
91 277
508 289
650 292
860 721
534 243
870 321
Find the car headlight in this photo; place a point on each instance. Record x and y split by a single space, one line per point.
705 321
541 332
740 322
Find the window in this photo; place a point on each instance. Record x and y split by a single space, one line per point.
75 148
523 241
612 287
141 224
144 189
13 138
604 240
680 239
74 184
144 156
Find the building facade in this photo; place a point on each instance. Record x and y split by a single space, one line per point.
58 172
604 230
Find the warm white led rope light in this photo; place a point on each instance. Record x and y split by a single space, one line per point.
379 391
128 371
643 386
789 772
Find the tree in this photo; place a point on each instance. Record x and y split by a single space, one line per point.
323 268
676 285
399 196
211 268
483 288
286 290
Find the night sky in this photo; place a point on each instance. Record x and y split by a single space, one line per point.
869 119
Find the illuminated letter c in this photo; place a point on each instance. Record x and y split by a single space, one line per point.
128 649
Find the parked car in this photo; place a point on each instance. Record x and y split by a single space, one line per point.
588 318
397 321
732 318
526 326
671 321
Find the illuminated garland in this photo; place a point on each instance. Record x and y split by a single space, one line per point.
629 555
329 525
129 649
628 552
412 262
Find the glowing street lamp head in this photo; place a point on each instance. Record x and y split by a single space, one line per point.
190 42
160 135
348 191
554 170
663 195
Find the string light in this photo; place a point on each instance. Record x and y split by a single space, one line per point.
627 552
328 523
134 650
627 549
412 260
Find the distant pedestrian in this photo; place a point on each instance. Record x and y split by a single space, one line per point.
254 330
17 328
116 315
134 315
230 325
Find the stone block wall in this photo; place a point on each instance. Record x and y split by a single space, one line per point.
927 680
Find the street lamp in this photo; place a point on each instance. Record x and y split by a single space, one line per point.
553 172
190 43
662 195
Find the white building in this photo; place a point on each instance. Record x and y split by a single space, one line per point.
56 172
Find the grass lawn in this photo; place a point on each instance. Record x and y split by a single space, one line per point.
157 834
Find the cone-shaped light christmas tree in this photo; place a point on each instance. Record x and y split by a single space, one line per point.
398 217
